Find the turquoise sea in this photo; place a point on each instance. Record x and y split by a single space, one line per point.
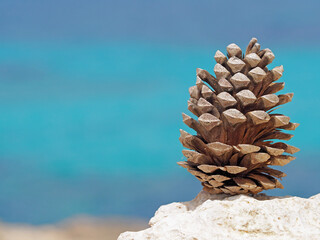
93 128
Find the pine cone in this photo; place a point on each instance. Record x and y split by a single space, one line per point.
236 126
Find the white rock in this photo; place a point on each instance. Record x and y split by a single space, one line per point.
221 217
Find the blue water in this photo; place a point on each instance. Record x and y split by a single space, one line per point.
93 128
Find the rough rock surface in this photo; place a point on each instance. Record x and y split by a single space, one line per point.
210 217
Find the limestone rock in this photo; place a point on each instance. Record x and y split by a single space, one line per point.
215 217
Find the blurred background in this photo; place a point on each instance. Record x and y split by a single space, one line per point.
91 96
